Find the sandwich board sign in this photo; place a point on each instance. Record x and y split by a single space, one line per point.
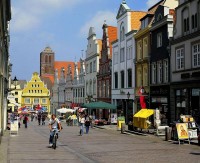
182 132
14 127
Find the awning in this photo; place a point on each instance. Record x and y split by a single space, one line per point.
99 105
144 113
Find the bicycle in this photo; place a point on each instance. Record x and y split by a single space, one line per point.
55 137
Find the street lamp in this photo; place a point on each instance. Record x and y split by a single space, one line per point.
15 80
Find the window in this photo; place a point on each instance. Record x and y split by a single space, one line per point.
27 100
104 89
129 52
122 55
139 79
160 74
159 40
129 78
122 32
185 19
90 67
139 50
108 88
94 87
16 93
179 59
94 66
44 101
122 79
99 87
87 68
116 80
36 101
196 55
153 73
115 58
166 71
194 21
145 48
145 77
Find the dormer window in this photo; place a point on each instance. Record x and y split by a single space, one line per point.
122 32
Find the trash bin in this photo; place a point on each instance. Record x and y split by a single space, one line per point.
168 133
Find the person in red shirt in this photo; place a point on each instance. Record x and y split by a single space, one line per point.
25 121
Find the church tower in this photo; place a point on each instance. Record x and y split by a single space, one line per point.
47 60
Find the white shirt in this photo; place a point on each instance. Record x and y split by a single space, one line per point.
54 122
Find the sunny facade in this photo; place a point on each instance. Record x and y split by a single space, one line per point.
123 54
92 65
185 61
142 59
35 93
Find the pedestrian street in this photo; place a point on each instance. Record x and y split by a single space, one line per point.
100 145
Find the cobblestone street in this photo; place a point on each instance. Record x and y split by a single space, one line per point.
100 145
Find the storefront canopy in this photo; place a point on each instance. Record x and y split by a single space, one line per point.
144 113
99 105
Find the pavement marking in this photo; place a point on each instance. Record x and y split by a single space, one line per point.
82 157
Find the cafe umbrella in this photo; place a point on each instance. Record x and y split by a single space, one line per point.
99 105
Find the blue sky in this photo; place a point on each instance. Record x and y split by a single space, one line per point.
61 24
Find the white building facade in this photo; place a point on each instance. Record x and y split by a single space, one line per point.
92 65
123 67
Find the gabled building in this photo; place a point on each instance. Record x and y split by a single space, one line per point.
123 54
185 61
142 58
105 62
79 84
161 32
93 53
15 103
69 87
35 93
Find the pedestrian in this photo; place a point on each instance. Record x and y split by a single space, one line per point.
25 121
19 123
87 124
43 119
32 116
39 118
81 123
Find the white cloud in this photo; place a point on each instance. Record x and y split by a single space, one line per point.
97 22
151 3
29 14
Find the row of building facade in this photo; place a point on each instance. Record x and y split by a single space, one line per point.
157 49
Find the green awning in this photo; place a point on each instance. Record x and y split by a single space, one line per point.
99 105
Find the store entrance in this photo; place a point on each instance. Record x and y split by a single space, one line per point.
195 104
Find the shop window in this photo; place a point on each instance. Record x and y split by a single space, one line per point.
122 79
129 78
116 80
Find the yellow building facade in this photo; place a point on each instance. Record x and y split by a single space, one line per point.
36 93
14 97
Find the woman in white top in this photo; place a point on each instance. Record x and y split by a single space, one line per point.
81 123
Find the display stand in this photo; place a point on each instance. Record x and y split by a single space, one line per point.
14 127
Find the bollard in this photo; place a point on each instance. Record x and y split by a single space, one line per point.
122 128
